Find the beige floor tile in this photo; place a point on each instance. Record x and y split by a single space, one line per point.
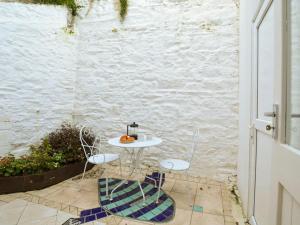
209 189
133 222
185 187
44 221
2 203
94 223
14 204
229 219
213 182
111 220
169 175
6 198
182 201
46 191
89 185
210 201
193 179
202 180
74 210
51 204
11 212
182 217
87 200
168 185
63 217
227 206
237 212
180 176
35 199
65 195
34 212
206 219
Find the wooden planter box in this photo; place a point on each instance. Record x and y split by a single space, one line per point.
39 181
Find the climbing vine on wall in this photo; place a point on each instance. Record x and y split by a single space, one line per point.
123 9
71 4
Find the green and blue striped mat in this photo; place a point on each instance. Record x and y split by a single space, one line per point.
128 201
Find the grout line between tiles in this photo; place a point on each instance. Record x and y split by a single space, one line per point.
22 213
193 207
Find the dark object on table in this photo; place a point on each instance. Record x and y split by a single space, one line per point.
133 131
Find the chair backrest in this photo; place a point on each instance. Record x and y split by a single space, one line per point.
195 142
89 150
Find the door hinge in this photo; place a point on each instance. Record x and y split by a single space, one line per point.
252 132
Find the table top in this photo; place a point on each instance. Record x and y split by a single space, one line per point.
136 144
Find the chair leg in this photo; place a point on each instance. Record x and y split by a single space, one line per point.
120 165
115 188
84 171
106 183
150 178
142 191
82 175
159 187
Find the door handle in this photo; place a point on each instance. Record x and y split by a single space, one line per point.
270 114
269 127
295 115
274 126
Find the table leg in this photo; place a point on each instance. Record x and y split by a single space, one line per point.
137 166
135 159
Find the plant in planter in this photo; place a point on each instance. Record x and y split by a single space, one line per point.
60 151
40 159
66 140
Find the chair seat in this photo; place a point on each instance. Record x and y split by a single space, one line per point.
102 158
174 164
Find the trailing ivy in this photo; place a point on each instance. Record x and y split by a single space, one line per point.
123 9
70 4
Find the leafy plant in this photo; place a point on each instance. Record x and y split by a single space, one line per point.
36 162
58 148
66 140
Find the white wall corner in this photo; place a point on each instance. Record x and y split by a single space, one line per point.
245 100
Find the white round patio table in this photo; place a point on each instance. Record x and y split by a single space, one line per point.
136 144
135 149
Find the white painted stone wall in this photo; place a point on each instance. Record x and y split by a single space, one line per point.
37 73
171 66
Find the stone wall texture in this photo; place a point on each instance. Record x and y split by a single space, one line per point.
171 66
37 73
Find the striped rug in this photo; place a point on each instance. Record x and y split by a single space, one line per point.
128 201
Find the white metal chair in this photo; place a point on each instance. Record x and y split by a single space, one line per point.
177 164
94 155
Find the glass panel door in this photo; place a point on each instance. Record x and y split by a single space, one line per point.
293 79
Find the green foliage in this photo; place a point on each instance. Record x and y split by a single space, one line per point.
37 161
57 149
66 140
71 4
123 9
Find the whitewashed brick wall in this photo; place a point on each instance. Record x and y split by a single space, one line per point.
171 66
37 73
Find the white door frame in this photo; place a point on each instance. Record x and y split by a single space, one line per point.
280 176
285 155
258 17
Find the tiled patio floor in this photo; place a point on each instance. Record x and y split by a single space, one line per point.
199 201
22 212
